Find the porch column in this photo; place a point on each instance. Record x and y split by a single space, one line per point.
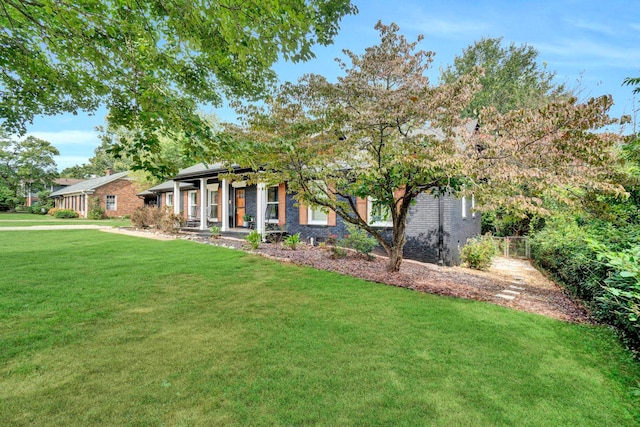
176 197
225 205
203 203
261 202
86 205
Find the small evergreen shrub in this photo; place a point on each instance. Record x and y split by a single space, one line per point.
65 213
254 238
478 252
292 241
337 251
95 211
360 240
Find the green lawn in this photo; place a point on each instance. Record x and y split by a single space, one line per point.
26 220
106 329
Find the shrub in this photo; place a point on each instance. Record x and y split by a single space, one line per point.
478 252
53 211
338 252
215 231
170 222
141 218
292 241
95 211
360 240
254 238
65 213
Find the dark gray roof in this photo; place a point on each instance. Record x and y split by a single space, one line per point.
165 187
90 184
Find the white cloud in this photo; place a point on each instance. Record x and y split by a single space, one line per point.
447 28
69 137
65 161
590 52
592 26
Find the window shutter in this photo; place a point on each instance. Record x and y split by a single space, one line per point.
331 218
361 207
282 204
303 214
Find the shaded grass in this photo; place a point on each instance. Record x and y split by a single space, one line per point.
114 330
26 220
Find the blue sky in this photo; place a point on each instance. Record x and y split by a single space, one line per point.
591 44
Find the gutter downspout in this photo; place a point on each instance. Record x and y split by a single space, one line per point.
440 230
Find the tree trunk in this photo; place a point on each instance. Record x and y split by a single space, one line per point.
395 259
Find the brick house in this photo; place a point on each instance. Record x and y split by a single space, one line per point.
117 194
437 226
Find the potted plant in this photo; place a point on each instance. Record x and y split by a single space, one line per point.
246 218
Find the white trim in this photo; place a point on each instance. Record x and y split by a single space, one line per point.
191 193
166 199
239 184
213 202
203 204
176 198
225 206
473 206
464 207
370 201
261 199
213 187
310 219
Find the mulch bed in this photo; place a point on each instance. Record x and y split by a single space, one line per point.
539 296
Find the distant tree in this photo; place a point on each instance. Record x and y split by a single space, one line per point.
150 62
383 131
511 76
25 166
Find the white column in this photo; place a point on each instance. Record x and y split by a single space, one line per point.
225 205
203 203
261 202
86 205
176 197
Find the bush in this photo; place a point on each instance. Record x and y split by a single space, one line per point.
254 238
360 240
141 218
65 213
170 222
292 241
594 261
95 211
52 211
215 231
478 252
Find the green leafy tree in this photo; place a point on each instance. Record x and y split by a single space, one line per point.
25 166
633 81
150 62
383 131
511 76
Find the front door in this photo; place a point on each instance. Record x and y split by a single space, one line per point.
239 205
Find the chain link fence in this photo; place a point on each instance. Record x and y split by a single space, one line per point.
513 246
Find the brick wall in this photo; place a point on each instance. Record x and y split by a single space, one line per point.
127 199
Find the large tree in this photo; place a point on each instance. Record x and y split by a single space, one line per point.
25 166
383 131
150 62
511 76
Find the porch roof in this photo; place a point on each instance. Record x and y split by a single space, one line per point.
202 170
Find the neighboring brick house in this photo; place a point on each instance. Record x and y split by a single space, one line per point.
117 194
437 227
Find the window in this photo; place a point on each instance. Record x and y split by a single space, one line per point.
111 202
318 215
169 199
213 205
272 204
378 214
